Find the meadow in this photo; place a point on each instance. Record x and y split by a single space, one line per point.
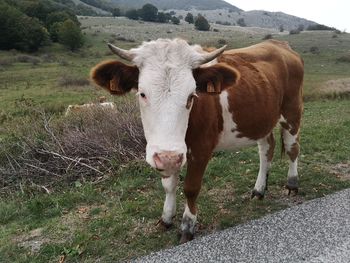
113 216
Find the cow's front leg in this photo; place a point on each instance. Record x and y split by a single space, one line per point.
169 209
192 187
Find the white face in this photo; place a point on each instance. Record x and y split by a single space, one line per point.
165 95
166 89
165 92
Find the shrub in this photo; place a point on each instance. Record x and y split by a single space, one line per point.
70 35
28 59
162 18
320 27
301 27
83 146
314 50
189 18
201 23
344 58
241 22
268 36
294 32
281 28
222 42
175 20
132 14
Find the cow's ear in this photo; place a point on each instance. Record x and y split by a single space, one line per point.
216 78
117 77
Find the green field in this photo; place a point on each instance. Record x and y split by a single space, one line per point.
114 217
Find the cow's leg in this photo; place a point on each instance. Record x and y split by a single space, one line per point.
169 208
292 148
192 186
266 150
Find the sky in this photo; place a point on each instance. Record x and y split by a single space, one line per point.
335 13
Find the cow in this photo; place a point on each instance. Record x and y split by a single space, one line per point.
195 101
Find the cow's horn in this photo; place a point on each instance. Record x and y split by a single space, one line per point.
212 55
125 54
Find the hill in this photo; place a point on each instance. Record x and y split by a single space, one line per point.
179 4
256 18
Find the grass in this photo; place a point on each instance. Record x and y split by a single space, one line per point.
114 218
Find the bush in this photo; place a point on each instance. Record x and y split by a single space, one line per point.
132 14
268 36
281 28
314 50
85 146
201 23
241 22
28 59
294 32
175 20
70 35
222 42
344 58
189 18
320 27
162 18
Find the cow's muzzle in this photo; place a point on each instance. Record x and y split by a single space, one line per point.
168 160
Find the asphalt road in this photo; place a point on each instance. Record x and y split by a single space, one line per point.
315 231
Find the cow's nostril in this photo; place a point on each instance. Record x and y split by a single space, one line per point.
167 160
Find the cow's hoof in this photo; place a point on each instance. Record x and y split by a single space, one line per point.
257 194
163 225
185 237
292 185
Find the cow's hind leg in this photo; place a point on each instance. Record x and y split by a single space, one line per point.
292 148
266 150
169 208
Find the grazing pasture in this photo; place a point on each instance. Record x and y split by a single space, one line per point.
77 214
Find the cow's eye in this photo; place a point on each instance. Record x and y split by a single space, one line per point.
190 100
143 95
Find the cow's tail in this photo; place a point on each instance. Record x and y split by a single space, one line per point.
283 149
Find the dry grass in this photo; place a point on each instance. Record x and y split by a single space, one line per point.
87 145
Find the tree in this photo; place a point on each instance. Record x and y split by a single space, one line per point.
281 28
189 18
149 13
162 18
34 35
301 27
70 35
19 31
241 22
175 20
132 14
116 12
201 23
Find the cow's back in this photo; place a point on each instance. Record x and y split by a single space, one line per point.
271 80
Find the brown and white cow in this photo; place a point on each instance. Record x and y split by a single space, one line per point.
195 102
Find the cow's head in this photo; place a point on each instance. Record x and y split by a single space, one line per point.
167 75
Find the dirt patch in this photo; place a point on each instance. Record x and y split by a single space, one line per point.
32 240
341 170
337 86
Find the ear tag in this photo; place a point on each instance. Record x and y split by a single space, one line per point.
114 84
210 87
